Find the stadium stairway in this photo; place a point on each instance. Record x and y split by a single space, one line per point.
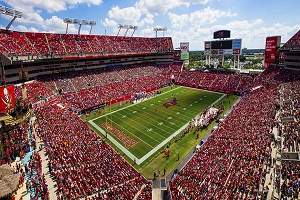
51 184
270 177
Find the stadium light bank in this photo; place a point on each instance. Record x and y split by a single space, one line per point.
163 29
127 27
10 12
80 22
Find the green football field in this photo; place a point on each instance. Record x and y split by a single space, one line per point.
139 130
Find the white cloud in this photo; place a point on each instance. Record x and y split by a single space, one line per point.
49 5
32 12
148 19
55 25
159 7
147 32
205 16
128 15
252 33
22 28
109 22
31 17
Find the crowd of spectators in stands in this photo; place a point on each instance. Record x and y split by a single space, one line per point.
36 181
290 184
29 44
288 172
86 89
36 91
82 163
15 144
231 162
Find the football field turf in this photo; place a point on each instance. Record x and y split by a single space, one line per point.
139 130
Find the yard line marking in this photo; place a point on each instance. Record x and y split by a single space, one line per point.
131 105
156 148
137 130
142 125
149 119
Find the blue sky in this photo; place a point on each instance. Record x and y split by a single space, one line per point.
192 21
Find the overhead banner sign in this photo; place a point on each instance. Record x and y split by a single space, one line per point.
272 43
184 51
7 98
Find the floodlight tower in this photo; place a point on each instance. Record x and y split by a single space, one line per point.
68 21
11 12
163 29
91 23
134 29
80 22
83 22
120 27
77 21
127 27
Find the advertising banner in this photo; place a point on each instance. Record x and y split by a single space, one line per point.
270 49
236 46
184 51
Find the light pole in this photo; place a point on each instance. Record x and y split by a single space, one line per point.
10 12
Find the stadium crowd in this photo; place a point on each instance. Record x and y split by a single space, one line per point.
287 173
230 164
50 45
82 163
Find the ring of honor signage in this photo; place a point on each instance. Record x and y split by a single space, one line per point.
184 51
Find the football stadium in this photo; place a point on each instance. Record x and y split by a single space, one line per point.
89 116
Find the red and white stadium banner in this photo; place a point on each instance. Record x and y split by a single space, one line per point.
272 43
7 98
184 47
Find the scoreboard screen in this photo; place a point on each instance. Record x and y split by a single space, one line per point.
222 34
223 47
221 44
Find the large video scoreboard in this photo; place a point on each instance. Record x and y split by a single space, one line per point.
223 47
